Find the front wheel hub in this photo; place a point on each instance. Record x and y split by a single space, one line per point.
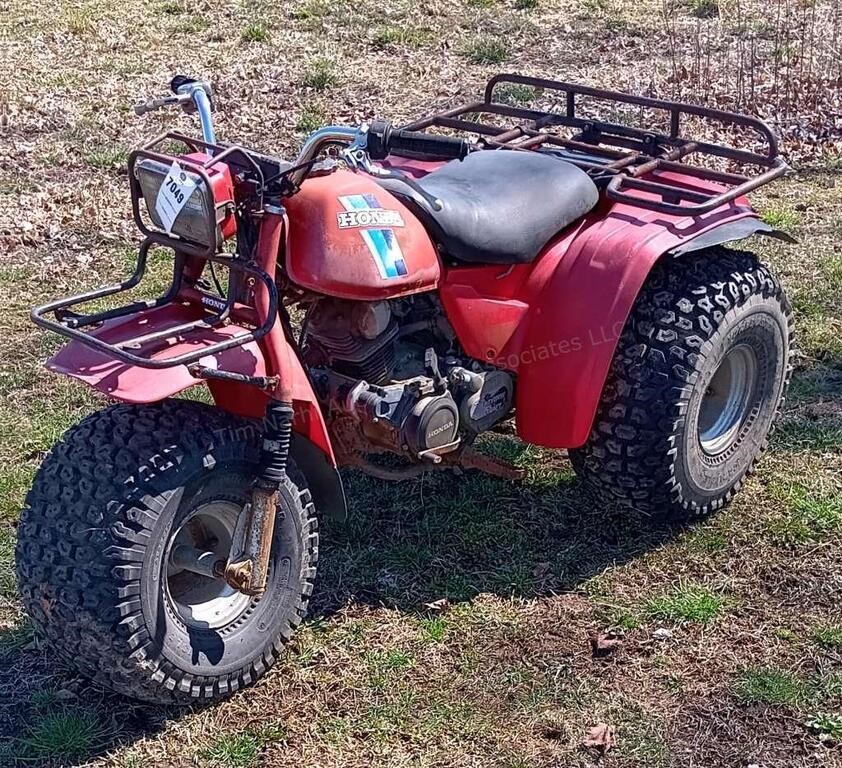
196 558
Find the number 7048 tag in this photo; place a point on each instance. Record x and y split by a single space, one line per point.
173 195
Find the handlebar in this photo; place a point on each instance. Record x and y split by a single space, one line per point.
159 103
383 139
191 95
200 98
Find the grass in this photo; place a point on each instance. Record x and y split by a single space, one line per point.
487 50
311 10
807 516
514 94
256 33
191 25
704 9
14 638
596 7
708 540
385 664
829 636
828 727
685 603
781 218
44 699
238 750
108 158
394 36
451 620
171 8
80 22
7 554
433 629
320 74
66 734
242 749
311 118
766 685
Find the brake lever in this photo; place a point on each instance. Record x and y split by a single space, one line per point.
192 96
183 97
356 158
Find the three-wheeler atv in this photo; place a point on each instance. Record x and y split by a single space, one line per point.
488 262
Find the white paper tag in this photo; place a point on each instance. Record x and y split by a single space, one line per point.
173 195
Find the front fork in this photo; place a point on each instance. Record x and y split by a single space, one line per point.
248 561
246 569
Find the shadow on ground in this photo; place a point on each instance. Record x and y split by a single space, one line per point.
455 536
51 718
440 536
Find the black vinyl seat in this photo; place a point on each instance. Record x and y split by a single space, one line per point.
499 206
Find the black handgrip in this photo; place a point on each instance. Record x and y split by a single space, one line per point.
383 139
180 80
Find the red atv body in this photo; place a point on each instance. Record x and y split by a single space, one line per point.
440 297
555 320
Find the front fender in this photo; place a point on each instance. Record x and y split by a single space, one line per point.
135 384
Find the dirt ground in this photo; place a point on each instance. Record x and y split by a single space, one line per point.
451 621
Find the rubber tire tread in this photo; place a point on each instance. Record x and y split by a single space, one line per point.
630 456
84 530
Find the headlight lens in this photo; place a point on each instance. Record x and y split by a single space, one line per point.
200 216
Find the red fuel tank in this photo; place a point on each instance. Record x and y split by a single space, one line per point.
349 237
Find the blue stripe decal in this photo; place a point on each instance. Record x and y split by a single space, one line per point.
382 243
371 200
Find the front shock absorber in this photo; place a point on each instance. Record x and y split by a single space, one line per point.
248 563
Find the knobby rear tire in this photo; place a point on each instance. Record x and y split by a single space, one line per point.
92 539
644 449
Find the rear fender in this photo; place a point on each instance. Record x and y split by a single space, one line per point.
556 322
729 232
584 305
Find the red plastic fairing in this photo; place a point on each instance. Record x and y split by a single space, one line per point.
556 321
133 384
349 237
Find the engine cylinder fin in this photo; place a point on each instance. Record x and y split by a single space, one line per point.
356 356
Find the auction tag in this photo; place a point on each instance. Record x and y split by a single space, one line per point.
173 195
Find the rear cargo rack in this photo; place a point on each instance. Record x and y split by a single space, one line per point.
637 166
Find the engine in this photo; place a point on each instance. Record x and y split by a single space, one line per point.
392 372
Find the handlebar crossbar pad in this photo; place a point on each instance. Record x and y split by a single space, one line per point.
383 140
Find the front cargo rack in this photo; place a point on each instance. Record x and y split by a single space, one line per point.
144 349
637 166
199 323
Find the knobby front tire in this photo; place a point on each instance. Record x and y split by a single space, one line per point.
94 539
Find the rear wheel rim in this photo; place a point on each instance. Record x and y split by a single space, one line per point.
728 399
199 601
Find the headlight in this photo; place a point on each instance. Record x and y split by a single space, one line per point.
206 216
